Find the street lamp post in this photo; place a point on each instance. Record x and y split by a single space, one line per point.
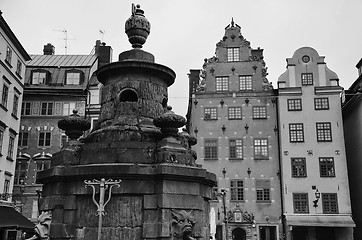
223 195
103 186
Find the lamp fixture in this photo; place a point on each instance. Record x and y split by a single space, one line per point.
317 196
246 128
223 129
222 102
275 129
247 101
196 131
223 173
195 102
249 172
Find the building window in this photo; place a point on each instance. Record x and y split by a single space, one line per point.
6 188
233 54
47 108
1 138
5 94
300 201
20 171
18 67
294 104
8 55
44 139
72 78
326 167
330 203
210 113
237 190
262 190
40 166
68 108
296 132
11 147
15 105
321 104
38 78
211 148
261 149
26 108
236 149
307 78
34 211
234 113
324 132
222 83
259 112
267 233
299 168
23 139
245 83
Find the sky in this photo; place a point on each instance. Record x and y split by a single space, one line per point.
184 33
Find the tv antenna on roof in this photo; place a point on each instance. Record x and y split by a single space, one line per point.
102 32
65 38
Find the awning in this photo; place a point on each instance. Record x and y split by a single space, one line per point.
320 220
11 219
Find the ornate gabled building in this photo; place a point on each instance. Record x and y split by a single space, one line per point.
55 85
314 176
233 113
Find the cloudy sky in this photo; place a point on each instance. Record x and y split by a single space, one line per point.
185 32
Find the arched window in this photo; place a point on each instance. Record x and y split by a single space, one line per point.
128 95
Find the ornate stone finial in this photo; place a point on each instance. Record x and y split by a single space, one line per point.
74 125
137 27
232 22
169 122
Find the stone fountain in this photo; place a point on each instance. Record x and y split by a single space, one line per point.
162 193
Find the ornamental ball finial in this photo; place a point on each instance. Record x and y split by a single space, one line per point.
137 27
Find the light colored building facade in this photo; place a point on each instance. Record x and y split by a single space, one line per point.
55 85
352 118
13 58
233 113
12 70
314 168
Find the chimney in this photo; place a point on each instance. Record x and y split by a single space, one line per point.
49 49
104 53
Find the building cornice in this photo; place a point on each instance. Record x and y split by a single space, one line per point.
328 90
292 91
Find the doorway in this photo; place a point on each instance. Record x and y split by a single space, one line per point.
239 234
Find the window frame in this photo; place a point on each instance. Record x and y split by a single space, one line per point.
2 131
245 82
5 95
212 112
25 109
9 53
222 84
324 131
22 140
211 149
264 148
319 105
307 79
11 145
73 71
296 163
294 104
235 113
18 67
296 135
235 150
233 54
237 190
38 82
326 165
15 105
20 173
327 203
43 165
262 191
303 201
44 139
259 112
47 110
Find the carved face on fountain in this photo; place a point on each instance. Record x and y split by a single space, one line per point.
182 225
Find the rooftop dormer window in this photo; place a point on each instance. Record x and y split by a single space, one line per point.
38 77
73 77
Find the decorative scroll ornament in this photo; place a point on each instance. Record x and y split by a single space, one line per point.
42 229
